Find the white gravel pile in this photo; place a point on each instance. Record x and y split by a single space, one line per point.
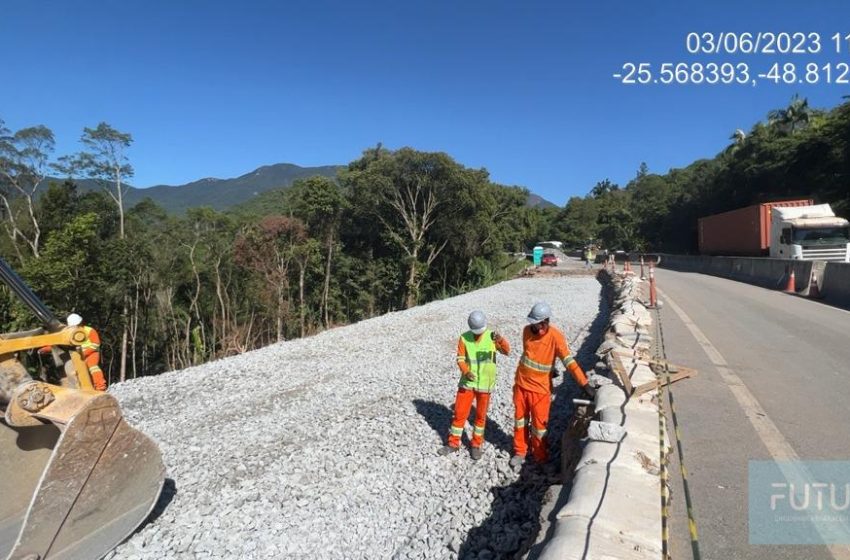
325 447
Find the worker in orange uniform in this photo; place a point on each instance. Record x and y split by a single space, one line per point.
541 344
90 349
476 358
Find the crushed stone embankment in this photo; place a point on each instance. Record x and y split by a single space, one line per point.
325 447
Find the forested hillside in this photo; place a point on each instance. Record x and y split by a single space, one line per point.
393 229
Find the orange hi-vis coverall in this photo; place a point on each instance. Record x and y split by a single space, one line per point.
533 388
90 349
475 383
91 355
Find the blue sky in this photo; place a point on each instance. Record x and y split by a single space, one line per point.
524 89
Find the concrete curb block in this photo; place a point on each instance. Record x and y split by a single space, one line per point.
614 510
605 431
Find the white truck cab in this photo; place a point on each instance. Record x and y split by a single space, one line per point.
809 233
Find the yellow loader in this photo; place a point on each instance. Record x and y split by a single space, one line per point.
75 479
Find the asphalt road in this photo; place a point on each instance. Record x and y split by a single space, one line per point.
782 389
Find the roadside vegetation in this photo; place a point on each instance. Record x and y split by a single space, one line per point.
796 152
394 229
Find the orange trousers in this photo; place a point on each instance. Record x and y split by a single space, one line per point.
463 403
531 414
97 379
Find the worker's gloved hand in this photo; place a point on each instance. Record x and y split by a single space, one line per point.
589 390
495 336
469 375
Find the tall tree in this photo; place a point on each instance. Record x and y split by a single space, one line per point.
792 118
24 163
407 192
105 161
319 203
268 248
603 187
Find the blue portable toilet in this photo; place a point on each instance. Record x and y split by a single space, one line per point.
538 255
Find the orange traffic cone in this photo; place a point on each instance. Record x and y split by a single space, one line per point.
814 290
791 286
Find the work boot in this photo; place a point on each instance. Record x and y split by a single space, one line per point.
476 453
447 450
516 461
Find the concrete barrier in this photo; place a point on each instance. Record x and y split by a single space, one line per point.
833 278
768 273
835 286
613 508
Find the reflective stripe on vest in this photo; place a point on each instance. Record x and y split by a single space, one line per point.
481 359
87 343
536 366
539 434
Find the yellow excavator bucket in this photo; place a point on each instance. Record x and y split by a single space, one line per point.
77 485
75 479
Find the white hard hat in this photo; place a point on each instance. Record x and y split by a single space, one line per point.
73 320
539 313
477 322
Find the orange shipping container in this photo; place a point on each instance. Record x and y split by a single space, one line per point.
745 231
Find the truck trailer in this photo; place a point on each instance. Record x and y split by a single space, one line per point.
791 229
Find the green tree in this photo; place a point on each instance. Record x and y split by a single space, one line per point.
792 118
407 193
579 221
602 188
105 161
24 164
319 203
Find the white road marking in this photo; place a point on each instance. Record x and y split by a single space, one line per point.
773 440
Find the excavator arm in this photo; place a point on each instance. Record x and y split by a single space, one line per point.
75 478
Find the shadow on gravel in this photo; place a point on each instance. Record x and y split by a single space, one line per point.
439 417
169 490
514 522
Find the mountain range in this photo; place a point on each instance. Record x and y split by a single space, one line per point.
222 194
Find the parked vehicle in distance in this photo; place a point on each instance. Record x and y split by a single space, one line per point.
549 259
792 229
551 245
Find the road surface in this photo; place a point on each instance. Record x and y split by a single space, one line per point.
782 390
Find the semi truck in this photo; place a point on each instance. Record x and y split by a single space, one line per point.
791 229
